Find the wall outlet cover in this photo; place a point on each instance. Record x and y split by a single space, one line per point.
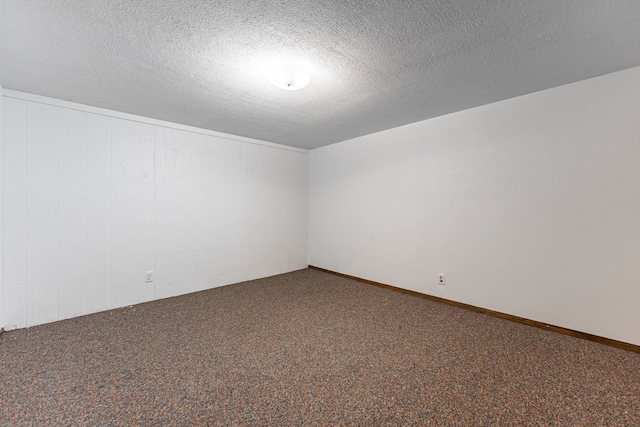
148 277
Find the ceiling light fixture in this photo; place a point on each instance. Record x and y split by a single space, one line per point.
289 77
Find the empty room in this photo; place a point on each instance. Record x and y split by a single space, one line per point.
319 213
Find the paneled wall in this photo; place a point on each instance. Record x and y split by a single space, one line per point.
94 199
1 209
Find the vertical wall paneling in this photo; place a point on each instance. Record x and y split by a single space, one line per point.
201 212
298 202
15 219
177 212
42 213
72 213
93 199
1 208
266 169
277 211
144 211
99 170
122 211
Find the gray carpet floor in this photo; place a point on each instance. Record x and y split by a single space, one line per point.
309 349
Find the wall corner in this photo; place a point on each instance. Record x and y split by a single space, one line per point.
1 209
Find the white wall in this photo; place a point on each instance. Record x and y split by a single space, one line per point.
1 209
530 206
94 198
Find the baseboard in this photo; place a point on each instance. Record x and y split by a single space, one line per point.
558 329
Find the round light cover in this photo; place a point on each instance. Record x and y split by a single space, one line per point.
289 77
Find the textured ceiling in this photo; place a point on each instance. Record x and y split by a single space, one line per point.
374 64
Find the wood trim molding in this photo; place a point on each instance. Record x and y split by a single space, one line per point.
602 340
135 118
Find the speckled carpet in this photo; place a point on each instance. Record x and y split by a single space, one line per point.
309 349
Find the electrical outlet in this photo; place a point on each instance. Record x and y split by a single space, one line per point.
441 278
148 277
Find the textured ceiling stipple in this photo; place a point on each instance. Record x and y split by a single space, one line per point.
374 64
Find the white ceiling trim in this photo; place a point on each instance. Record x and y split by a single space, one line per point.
8 93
